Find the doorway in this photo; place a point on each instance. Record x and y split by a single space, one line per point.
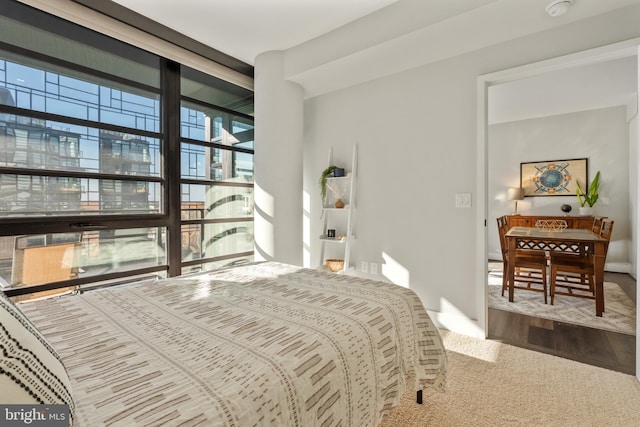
626 51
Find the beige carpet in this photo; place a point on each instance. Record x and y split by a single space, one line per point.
494 384
619 314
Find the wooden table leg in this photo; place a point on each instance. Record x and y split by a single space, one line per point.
599 252
511 242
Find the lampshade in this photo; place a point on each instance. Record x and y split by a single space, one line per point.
515 194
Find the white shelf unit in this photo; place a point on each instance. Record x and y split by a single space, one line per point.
340 219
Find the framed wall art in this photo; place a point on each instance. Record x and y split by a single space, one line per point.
553 177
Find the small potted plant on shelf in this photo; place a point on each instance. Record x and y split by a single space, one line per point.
588 199
323 181
338 191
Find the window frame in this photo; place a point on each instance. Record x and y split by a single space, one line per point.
170 176
192 181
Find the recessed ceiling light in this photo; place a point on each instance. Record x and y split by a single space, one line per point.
558 7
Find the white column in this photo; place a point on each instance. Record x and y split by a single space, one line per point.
634 205
277 162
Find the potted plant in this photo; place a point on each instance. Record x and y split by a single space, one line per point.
588 199
323 181
337 188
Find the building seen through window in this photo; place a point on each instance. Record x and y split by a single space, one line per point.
84 171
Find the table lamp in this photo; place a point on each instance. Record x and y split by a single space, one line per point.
515 194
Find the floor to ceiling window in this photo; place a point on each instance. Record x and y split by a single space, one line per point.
216 172
114 163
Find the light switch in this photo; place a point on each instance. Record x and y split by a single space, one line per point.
463 200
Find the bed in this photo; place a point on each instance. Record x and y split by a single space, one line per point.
255 345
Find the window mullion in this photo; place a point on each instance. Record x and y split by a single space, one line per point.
171 149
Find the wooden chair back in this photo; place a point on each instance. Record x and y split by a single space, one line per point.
503 224
530 265
606 228
576 273
597 224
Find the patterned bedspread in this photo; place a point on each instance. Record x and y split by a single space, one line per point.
257 345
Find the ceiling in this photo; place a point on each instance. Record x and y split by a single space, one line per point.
591 86
334 44
246 28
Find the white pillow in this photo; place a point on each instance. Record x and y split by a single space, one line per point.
31 372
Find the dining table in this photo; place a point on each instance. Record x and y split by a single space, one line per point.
570 240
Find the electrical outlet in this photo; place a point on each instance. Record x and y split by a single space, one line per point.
373 268
463 200
364 266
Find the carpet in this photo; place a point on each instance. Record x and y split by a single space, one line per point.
619 314
495 384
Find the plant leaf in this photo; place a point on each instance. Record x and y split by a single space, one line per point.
580 194
323 181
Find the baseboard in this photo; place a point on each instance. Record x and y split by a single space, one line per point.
456 323
618 267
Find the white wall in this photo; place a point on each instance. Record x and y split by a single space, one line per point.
416 132
601 136
633 192
634 159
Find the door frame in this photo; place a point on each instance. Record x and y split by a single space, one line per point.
601 54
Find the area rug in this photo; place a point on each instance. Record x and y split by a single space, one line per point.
494 384
619 315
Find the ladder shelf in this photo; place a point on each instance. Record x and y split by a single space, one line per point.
339 219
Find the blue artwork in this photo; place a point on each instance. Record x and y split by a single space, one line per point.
552 178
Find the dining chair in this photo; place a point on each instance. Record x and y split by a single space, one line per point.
597 224
530 266
606 229
575 274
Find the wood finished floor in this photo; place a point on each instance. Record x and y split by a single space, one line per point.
597 347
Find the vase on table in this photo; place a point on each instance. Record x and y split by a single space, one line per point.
339 189
586 211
